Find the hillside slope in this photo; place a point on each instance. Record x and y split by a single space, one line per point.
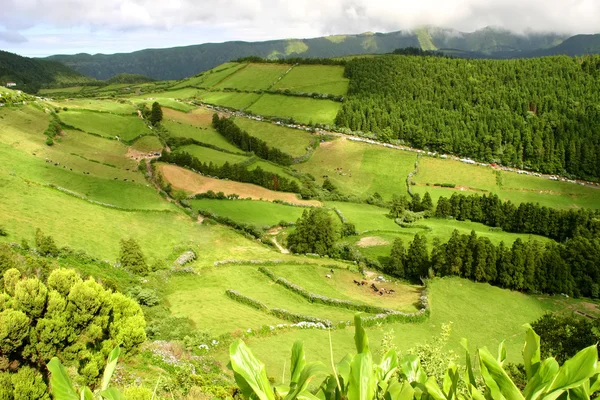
180 62
31 74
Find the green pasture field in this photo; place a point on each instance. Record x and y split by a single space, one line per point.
229 99
183 93
365 169
341 286
72 89
108 125
326 79
254 77
291 141
210 78
111 106
515 187
276 169
257 213
208 155
483 314
203 135
217 313
147 144
301 109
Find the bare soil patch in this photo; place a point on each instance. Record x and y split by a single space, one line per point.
371 241
192 182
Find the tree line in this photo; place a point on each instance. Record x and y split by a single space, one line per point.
292 60
559 225
242 139
572 268
541 114
234 172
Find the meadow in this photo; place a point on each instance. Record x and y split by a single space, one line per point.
507 185
211 77
147 144
291 141
315 79
254 77
274 168
107 125
302 109
208 155
257 213
229 99
360 169
112 106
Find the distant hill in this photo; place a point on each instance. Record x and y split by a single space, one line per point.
577 45
180 62
128 78
31 74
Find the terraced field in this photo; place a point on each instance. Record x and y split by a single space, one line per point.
208 155
302 109
108 125
254 77
291 141
315 79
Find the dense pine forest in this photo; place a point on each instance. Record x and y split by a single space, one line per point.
540 114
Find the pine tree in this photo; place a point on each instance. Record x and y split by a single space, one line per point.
132 258
427 203
396 263
417 258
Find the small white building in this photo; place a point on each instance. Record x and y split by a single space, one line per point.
10 84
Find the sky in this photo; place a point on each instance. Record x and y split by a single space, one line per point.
38 28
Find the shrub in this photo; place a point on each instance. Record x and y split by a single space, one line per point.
145 297
132 258
45 244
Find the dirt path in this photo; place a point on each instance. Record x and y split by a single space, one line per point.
282 249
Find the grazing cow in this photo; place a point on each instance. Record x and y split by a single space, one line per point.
331 270
328 276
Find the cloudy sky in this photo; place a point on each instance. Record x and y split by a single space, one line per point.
45 27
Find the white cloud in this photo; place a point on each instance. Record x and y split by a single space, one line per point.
177 22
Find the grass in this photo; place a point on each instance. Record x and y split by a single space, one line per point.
207 155
514 187
229 99
254 77
291 141
107 125
273 168
112 106
210 78
301 109
196 125
483 314
315 79
147 144
257 213
365 169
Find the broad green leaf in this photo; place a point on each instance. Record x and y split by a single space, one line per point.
544 376
411 368
580 392
433 389
362 378
111 365
308 373
476 394
112 394
469 375
501 353
250 370
86 394
531 352
450 381
400 391
594 383
298 362
576 370
495 374
306 395
343 368
360 336
282 390
60 384
388 365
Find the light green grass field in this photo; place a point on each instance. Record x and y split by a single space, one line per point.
229 99
206 135
257 213
210 78
274 168
108 125
327 79
207 155
365 169
254 77
483 314
147 144
514 187
301 109
291 141
112 106
71 89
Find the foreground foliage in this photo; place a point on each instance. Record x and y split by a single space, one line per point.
401 376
